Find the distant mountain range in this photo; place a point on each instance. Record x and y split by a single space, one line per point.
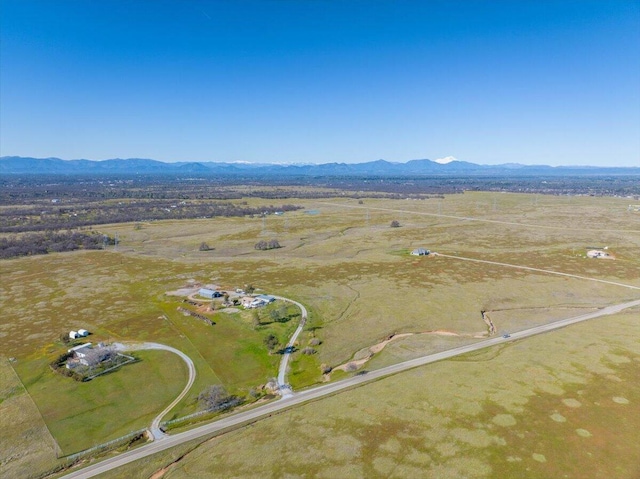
16 165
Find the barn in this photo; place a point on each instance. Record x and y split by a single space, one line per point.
209 293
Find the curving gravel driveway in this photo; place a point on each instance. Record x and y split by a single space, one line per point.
156 432
285 389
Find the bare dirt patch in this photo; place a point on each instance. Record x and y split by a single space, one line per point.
229 310
362 356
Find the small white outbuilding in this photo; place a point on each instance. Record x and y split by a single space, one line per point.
83 333
73 335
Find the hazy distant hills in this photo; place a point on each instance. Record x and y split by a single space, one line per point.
16 165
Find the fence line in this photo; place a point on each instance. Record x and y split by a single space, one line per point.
106 445
131 359
56 447
185 418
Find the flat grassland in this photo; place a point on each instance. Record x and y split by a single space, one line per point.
341 259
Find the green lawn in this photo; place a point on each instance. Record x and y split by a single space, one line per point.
83 414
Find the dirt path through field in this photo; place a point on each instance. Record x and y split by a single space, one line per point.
376 348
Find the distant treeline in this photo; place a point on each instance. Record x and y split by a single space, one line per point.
56 217
51 242
61 202
41 190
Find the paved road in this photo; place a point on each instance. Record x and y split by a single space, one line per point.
253 415
282 371
155 425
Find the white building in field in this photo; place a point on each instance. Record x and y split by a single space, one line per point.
597 253
420 252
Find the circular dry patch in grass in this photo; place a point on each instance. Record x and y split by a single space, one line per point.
504 420
583 433
620 400
571 402
557 417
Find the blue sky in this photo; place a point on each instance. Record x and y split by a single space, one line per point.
540 82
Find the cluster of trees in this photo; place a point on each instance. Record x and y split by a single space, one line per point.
265 245
45 217
51 242
216 398
58 365
78 191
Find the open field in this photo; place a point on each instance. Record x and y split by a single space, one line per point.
555 405
343 262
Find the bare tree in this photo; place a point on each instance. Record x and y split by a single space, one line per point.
395 224
350 367
216 398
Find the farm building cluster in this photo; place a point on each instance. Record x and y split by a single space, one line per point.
250 302
86 355
237 296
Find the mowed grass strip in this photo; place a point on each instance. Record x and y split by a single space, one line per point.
83 414
27 449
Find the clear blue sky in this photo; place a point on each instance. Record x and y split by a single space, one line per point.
536 82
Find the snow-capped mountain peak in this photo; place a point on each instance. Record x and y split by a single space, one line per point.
444 161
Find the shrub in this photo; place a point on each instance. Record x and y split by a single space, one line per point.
271 342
